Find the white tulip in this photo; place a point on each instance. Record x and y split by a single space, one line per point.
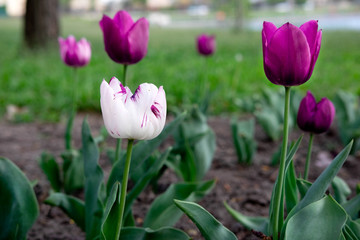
140 116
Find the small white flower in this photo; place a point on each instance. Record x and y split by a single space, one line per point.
139 116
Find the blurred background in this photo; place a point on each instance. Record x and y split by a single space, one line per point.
36 85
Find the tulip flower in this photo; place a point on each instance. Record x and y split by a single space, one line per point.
74 54
315 117
125 41
206 44
138 116
289 52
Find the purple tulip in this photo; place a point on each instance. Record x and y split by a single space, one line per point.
206 44
289 52
125 41
74 54
315 117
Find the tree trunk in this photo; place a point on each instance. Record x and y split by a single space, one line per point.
41 23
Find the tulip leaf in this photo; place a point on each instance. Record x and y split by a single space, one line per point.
252 223
141 152
210 228
140 185
18 204
167 233
322 220
319 187
353 229
93 181
73 170
163 211
291 192
303 185
341 190
352 207
111 214
51 169
72 206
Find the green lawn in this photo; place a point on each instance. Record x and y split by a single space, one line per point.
42 83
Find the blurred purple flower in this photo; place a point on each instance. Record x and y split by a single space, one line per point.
139 116
206 44
74 54
125 41
315 117
289 52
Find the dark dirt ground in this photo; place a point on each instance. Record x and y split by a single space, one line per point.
245 188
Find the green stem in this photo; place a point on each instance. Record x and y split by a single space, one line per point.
124 187
278 206
308 157
118 142
69 125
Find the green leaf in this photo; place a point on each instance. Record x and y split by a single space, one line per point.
291 193
141 152
72 206
270 122
319 187
136 233
18 204
320 220
163 211
51 169
112 213
93 181
73 170
303 186
252 223
141 184
210 228
352 207
341 190
353 228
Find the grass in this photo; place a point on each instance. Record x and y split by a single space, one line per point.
43 84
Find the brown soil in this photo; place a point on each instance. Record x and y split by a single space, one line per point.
245 188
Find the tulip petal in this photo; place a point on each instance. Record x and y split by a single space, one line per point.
310 29
124 21
138 37
306 113
268 31
316 52
115 43
287 59
324 116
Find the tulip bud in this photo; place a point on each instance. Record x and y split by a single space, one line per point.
138 116
125 41
206 44
289 52
315 117
74 54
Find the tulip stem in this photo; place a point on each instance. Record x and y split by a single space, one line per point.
308 157
124 187
124 74
279 203
70 122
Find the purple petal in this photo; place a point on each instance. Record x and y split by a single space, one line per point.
306 113
316 52
155 111
116 44
324 116
287 59
138 38
124 21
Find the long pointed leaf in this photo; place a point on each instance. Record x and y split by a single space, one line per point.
253 223
72 206
210 228
18 204
136 233
352 207
111 214
93 181
51 169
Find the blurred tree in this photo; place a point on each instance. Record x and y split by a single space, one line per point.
41 23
